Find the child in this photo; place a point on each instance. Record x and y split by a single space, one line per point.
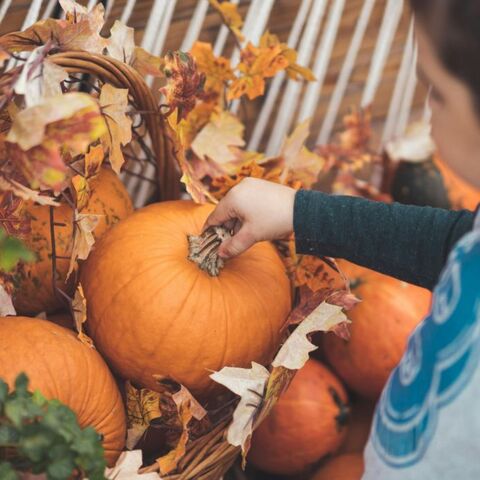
427 422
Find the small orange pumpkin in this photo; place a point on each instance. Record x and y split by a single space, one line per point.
153 313
307 423
349 466
381 324
62 367
35 293
461 193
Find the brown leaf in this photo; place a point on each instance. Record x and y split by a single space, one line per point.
79 307
184 83
147 64
93 161
114 104
26 193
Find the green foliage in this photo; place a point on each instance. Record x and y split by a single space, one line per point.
43 436
12 251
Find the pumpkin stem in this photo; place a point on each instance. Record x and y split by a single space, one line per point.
203 249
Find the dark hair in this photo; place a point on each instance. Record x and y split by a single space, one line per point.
454 27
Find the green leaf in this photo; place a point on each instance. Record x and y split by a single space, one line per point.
12 251
36 442
8 435
61 468
7 472
21 384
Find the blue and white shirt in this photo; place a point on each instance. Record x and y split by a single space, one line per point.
427 422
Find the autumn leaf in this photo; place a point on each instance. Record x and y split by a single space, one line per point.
12 215
194 186
188 128
26 193
82 191
300 164
93 161
143 406
83 238
147 64
230 16
79 111
79 307
184 83
214 141
128 466
217 70
121 43
114 105
4 56
249 384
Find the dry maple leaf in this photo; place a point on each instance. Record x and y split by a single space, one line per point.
215 139
184 83
188 128
83 238
26 193
217 70
81 189
12 215
230 16
93 161
114 104
79 308
6 303
298 163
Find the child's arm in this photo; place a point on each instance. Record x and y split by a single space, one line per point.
407 242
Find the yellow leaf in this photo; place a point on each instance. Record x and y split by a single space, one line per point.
93 161
299 163
146 64
230 16
82 191
217 69
79 307
114 104
188 128
214 141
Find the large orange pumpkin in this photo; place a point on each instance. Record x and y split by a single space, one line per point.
307 423
461 193
381 324
153 312
344 467
62 367
35 293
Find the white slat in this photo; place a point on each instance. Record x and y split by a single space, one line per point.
274 89
391 19
47 13
406 106
164 26
324 54
127 11
3 9
108 7
345 73
222 36
292 92
399 89
91 4
195 25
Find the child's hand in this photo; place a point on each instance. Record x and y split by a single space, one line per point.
256 210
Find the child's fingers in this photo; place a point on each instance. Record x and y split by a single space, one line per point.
237 244
221 215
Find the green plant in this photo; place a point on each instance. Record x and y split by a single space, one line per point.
43 436
12 250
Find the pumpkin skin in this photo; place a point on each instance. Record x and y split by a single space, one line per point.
62 367
151 311
461 193
34 292
344 467
306 424
381 324
359 427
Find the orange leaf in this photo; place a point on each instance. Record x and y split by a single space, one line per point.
93 161
217 69
79 307
82 191
114 104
